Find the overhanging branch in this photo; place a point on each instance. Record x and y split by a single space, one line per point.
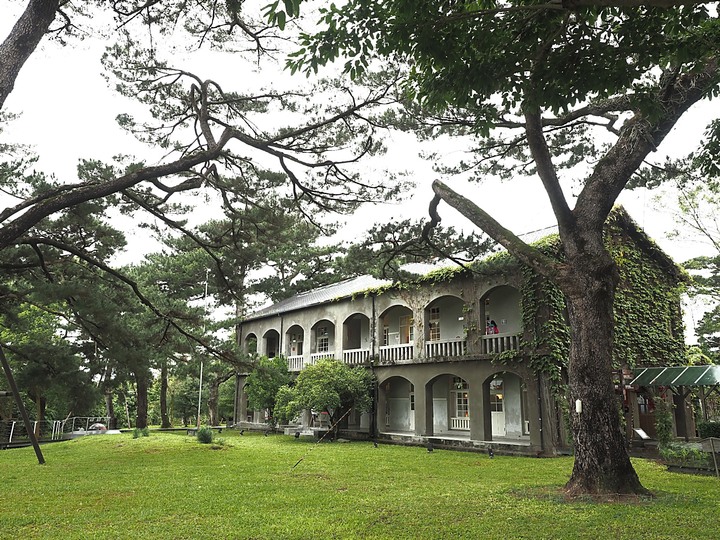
525 253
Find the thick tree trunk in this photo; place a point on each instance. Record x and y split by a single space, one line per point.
602 463
141 382
165 418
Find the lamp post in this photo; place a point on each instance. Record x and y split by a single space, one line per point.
207 274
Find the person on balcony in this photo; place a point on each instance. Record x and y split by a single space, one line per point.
492 328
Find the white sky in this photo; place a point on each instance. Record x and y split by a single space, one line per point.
68 112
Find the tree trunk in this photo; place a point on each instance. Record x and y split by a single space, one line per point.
213 400
165 419
141 382
25 36
110 409
602 463
41 404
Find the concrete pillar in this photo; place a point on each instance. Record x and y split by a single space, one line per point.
424 410
380 408
477 419
240 408
485 425
419 345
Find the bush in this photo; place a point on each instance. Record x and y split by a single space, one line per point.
663 422
144 432
687 456
205 435
708 429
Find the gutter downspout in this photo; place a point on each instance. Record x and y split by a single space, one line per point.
374 412
540 414
281 343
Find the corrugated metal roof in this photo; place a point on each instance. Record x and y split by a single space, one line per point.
343 289
677 376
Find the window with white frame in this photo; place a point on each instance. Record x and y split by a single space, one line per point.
434 324
386 336
323 339
462 407
461 397
496 395
406 329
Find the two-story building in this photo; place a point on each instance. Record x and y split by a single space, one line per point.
461 356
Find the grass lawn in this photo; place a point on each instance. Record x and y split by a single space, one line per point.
170 486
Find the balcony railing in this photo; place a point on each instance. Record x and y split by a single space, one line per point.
356 356
497 343
315 357
295 362
460 422
445 348
397 353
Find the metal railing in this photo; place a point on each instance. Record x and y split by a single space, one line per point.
13 431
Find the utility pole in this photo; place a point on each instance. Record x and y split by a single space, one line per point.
207 275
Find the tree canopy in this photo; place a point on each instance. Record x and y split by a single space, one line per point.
329 386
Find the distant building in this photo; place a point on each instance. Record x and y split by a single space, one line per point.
461 356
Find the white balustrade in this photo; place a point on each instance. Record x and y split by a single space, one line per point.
445 347
356 356
397 353
295 362
315 357
497 343
460 423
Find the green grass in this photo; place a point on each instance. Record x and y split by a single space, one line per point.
171 486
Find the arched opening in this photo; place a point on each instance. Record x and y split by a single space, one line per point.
294 347
356 339
322 340
500 313
451 405
398 396
251 344
508 404
397 334
272 343
445 328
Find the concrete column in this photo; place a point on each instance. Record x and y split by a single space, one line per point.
240 409
380 407
419 323
485 426
477 429
424 410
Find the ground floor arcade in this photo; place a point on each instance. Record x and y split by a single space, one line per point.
472 400
469 403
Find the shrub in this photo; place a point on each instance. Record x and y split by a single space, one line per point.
663 422
678 454
708 429
205 435
144 432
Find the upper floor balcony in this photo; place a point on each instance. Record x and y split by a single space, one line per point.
445 329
